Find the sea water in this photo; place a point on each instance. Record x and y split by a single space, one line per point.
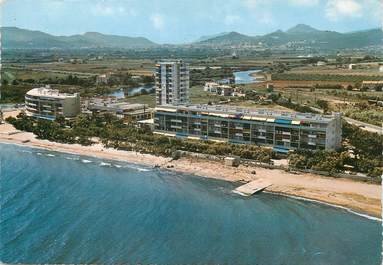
63 208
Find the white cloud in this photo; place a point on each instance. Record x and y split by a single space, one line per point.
266 18
304 2
375 8
157 21
254 4
231 19
251 3
336 9
105 9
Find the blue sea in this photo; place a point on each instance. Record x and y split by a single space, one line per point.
63 208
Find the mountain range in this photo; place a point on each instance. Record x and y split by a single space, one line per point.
300 35
17 38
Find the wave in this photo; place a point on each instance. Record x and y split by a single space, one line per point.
86 161
137 168
104 164
50 155
328 204
72 158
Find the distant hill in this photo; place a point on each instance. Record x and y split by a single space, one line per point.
13 37
230 38
301 28
303 35
207 37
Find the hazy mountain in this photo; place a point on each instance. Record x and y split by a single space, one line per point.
301 28
207 37
299 36
13 37
302 35
230 38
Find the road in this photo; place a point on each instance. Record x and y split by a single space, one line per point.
360 124
364 126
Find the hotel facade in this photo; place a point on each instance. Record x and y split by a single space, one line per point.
283 131
172 82
47 103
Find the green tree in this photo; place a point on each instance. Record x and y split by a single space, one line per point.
323 104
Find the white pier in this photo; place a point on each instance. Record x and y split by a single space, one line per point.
252 187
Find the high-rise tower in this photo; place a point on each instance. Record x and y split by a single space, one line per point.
172 83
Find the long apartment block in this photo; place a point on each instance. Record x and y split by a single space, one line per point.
283 131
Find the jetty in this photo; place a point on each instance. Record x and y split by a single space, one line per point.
252 187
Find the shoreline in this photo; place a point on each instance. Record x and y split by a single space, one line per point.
365 215
357 197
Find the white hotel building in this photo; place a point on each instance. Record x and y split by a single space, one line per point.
172 83
47 103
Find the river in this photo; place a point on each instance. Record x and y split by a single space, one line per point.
244 77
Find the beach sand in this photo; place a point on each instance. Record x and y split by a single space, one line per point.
359 196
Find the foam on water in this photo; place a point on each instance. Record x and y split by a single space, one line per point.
138 168
72 158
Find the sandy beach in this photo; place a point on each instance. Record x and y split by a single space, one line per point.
359 196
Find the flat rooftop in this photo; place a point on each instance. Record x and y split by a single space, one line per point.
117 106
48 92
244 113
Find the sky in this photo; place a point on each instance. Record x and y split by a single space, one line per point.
183 21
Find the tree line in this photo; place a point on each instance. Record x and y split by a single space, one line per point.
112 132
361 150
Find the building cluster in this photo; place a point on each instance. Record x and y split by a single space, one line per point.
123 110
103 79
47 103
175 116
223 90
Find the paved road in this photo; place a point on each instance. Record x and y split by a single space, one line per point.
360 124
364 126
